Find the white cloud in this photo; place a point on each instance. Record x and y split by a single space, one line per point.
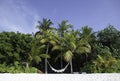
16 15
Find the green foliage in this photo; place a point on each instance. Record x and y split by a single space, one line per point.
91 52
118 66
110 37
30 70
3 68
14 49
16 68
104 63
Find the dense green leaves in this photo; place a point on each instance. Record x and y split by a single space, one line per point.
84 49
110 37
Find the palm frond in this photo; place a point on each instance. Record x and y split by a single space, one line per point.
68 56
72 45
56 47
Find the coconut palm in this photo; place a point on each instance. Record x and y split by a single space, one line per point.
50 40
67 47
63 28
87 38
43 33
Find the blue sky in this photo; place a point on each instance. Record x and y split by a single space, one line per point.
22 15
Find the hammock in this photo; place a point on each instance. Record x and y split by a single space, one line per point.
60 70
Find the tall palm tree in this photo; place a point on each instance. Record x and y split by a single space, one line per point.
63 28
70 48
87 38
49 39
44 28
67 47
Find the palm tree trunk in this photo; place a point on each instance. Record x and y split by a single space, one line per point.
45 65
61 35
46 59
71 66
61 62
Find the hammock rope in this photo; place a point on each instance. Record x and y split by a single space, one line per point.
58 70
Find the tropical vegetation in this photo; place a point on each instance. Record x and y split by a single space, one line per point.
82 50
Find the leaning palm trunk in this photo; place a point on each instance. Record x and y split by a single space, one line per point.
46 59
71 66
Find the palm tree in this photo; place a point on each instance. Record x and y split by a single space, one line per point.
87 38
63 28
50 39
67 47
70 48
47 35
82 41
44 28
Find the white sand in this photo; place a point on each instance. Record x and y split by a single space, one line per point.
60 77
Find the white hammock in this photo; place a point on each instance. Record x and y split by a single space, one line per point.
60 70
